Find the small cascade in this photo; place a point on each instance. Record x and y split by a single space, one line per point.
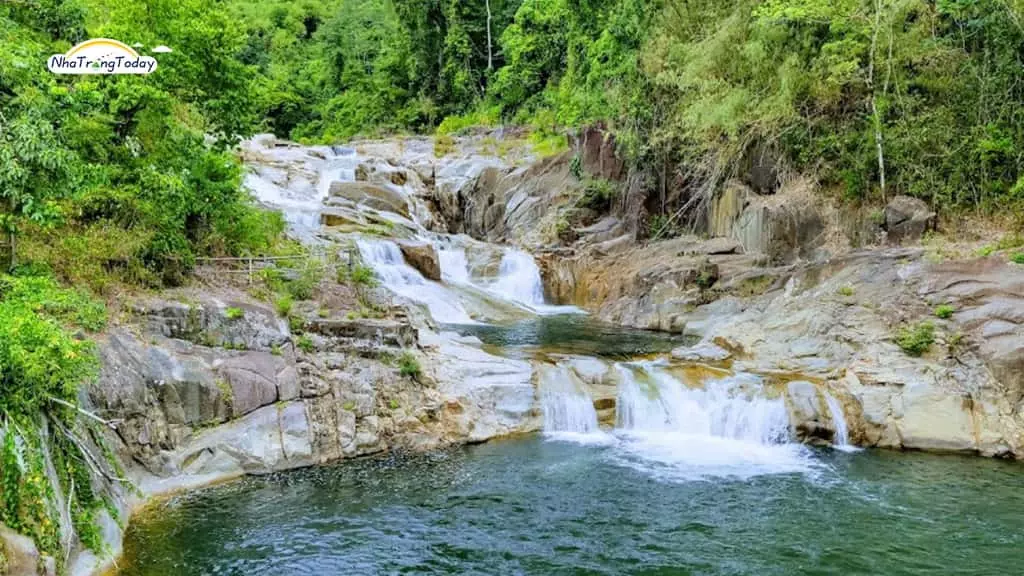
454 266
300 200
653 400
727 428
519 279
841 440
385 257
567 406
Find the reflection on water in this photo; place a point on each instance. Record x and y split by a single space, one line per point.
574 334
530 506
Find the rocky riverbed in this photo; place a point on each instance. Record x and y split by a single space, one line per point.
773 319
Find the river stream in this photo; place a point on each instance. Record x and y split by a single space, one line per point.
686 478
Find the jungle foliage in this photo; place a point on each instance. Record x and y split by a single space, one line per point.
873 97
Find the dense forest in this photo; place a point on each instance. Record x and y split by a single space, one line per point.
115 181
873 97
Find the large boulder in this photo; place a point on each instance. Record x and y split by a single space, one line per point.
835 325
215 322
256 379
18 554
707 352
907 219
599 156
806 415
423 257
378 197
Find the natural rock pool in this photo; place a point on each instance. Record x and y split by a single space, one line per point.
616 505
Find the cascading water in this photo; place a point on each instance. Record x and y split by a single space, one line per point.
519 279
454 266
566 405
728 428
841 440
652 400
300 200
385 257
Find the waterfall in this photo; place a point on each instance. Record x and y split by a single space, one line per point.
299 199
385 257
454 266
730 427
652 400
519 279
567 406
841 440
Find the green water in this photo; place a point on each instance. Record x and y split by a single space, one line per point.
534 506
573 334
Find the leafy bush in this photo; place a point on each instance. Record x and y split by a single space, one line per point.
944 311
598 194
233 313
916 340
43 367
304 285
660 227
284 305
1017 258
845 291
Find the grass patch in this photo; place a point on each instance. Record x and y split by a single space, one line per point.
754 286
443 145
363 276
1017 258
482 118
547 144
845 291
915 340
305 343
234 313
284 305
944 311
409 365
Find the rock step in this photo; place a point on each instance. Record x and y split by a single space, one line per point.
386 332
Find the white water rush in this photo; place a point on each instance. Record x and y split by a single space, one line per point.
728 427
567 406
841 440
519 279
385 257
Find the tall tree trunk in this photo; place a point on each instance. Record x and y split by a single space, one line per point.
12 238
490 51
875 119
